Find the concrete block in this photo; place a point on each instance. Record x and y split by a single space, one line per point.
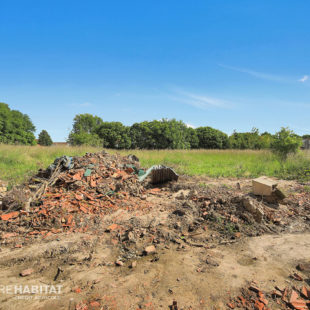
263 186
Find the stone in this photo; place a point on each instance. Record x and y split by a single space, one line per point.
150 250
250 206
212 262
133 264
119 263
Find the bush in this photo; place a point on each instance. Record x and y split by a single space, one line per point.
285 142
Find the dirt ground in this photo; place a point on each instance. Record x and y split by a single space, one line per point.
194 246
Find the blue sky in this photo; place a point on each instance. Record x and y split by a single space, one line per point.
226 64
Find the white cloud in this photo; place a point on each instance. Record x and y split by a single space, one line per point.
267 76
260 75
304 78
198 100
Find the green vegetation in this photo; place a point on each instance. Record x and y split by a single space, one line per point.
44 138
84 131
114 135
17 163
15 127
174 135
163 134
210 138
285 142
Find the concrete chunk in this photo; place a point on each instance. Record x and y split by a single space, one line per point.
263 186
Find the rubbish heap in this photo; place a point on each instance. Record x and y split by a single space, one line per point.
73 194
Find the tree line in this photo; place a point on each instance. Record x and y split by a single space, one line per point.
17 128
163 134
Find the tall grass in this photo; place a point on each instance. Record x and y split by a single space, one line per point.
17 163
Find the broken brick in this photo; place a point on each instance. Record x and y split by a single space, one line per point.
305 292
26 272
8 216
259 305
254 288
297 277
112 227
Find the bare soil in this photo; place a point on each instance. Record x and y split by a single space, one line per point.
206 251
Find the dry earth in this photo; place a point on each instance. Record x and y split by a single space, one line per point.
206 251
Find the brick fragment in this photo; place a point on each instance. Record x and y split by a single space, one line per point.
26 272
8 216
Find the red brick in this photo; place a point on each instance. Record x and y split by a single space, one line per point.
26 272
259 305
8 216
231 305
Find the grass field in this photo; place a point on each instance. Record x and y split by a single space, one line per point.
17 163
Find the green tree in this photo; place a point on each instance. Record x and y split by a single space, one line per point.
114 135
15 127
192 138
285 142
81 138
266 140
162 134
44 138
249 140
84 131
210 138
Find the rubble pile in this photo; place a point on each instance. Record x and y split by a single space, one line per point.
232 211
296 297
73 194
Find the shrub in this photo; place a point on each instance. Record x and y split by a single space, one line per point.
285 142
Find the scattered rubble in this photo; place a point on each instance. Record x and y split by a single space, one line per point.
101 197
284 298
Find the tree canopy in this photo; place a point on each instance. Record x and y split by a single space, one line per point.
164 134
15 127
44 138
210 138
84 131
114 135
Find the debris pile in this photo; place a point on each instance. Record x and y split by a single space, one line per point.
232 211
73 194
297 298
